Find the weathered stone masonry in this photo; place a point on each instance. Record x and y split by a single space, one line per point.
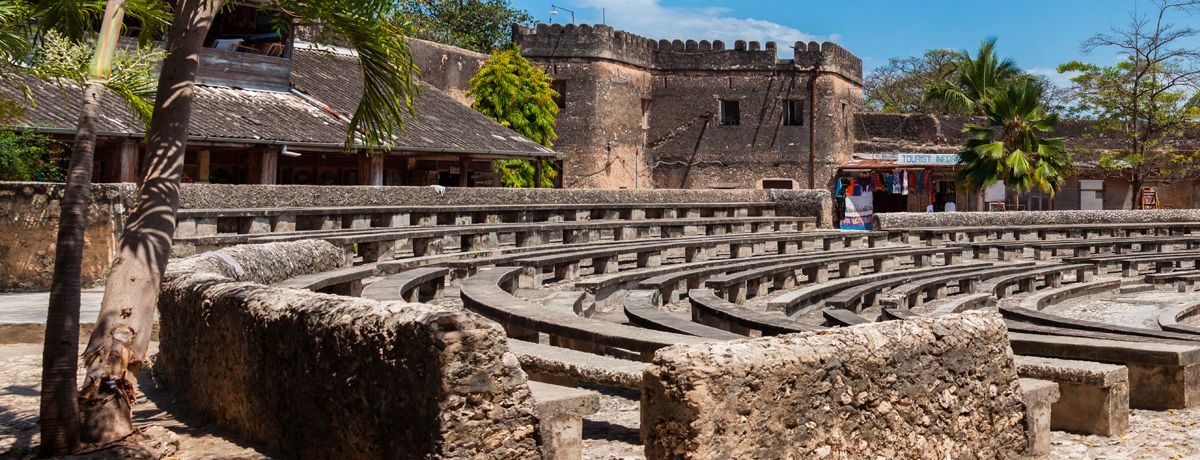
650 110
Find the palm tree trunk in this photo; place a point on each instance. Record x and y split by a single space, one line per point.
979 204
60 352
118 346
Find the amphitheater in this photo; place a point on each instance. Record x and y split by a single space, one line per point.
395 322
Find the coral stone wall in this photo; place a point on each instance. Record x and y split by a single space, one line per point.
1066 218
939 387
323 376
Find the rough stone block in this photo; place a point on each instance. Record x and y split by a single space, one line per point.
1039 395
940 387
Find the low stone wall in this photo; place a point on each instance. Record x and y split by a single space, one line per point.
939 387
972 219
323 376
29 212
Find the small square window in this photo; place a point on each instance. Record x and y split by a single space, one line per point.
731 113
793 113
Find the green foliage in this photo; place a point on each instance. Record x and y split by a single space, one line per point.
478 25
376 30
518 95
519 173
968 82
133 78
1010 147
900 85
28 156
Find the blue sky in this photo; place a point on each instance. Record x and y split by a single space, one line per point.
1039 35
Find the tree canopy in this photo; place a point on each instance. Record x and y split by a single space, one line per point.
518 95
900 85
477 25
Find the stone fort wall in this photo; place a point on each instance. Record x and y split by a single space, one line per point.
645 113
324 376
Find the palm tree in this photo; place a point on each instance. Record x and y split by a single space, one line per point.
1010 148
51 41
969 81
118 346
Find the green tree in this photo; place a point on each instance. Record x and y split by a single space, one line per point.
900 85
969 81
117 349
518 95
55 40
1010 147
29 156
1143 100
478 25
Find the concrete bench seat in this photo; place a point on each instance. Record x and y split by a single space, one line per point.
842 318
564 366
1131 264
915 293
941 235
959 304
1094 396
1049 297
1031 316
606 258
1185 281
792 302
1161 375
560 412
1169 320
1026 281
416 285
489 294
344 281
711 310
865 295
1039 396
210 221
641 307
739 285
666 278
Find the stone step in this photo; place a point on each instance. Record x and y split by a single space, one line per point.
1136 287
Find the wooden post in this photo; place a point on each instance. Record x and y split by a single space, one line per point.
263 165
202 159
127 162
537 173
370 169
464 169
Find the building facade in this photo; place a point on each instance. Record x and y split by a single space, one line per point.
641 113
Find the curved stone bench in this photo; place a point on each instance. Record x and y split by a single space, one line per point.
794 301
1026 281
1094 396
864 295
342 281
710 309
1047 297
411 285
1169 320
909 294
566 366
739 285
842 318
671 281
1161 375
1035 317
488 293
1131 264
641 307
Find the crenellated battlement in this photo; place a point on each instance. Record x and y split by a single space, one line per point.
829 57
605 42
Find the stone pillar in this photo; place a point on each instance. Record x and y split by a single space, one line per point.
127 162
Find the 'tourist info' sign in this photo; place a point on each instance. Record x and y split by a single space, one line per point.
941 159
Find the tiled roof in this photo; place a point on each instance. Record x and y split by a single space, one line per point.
332 83
334 77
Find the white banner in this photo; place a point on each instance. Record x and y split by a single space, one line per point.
860 205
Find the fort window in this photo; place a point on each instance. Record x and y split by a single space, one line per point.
793 113
731 113
560 87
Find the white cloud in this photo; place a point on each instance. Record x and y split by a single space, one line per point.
1061 80
651 19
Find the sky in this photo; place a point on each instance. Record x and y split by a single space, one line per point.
1038 34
